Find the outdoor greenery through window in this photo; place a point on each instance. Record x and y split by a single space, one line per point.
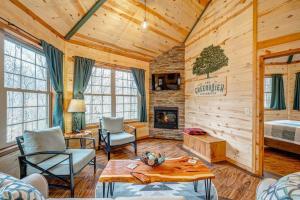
111 93
27 89
267 91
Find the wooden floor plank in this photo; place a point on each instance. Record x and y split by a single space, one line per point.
231 182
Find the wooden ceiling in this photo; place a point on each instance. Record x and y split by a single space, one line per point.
116 26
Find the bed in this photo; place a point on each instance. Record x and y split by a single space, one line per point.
283 134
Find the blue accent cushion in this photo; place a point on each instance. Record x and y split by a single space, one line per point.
287 187
12 188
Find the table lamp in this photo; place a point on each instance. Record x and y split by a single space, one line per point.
76 106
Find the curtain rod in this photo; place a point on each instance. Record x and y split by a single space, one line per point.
27 33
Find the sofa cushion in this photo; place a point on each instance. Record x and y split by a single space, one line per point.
113 124
81 157
121 138
286 187
152 198
50 139
17 189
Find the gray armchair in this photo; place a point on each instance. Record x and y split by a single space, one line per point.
45 152
112 134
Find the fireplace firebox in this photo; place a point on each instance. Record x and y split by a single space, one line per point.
166 117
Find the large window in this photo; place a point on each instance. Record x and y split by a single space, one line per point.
267 91
26 86
113 93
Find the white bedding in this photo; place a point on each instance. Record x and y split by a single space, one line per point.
284 130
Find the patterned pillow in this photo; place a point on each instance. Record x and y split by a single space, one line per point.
12 188
6 179
287 187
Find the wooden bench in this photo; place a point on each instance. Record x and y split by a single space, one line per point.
207 147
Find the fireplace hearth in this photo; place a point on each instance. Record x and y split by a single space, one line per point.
166 117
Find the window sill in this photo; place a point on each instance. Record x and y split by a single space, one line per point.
96 125
7 150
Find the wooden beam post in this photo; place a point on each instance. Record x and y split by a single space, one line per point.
84 19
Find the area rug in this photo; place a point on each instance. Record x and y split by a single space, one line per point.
160 189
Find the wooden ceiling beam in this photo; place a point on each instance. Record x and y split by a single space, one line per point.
193 27
84 19
111 45
35 17
138 22
110 50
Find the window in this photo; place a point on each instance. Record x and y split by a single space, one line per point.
126 95
98 95
26 86
267 91
111 93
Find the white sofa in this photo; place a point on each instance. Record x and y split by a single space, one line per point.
39 182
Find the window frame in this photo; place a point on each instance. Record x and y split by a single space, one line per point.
114 95
267 92
4 90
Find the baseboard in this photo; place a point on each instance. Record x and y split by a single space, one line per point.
242 166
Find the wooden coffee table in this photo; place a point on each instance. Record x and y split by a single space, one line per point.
172 170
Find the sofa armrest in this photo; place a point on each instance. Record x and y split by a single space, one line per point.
264 185
39 182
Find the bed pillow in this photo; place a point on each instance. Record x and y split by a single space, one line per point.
286 187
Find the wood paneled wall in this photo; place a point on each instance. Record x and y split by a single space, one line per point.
229 24
289 73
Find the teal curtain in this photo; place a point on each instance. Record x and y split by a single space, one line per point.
277 96
297 92
82 73
139 78
54 58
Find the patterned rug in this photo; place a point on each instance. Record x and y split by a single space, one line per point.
160 189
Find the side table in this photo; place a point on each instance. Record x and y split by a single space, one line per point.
82 137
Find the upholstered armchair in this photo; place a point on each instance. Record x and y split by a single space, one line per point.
45 152
112 133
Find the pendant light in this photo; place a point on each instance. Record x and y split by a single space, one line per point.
145 23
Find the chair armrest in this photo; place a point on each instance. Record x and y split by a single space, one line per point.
39 182
83 138
133 129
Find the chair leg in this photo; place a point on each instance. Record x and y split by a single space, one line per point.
108 155
95 168
72 185
135 147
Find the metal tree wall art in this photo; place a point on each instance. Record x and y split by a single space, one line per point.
210 60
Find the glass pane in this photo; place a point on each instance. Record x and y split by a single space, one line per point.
88 109
41 85
13 132
42 124
88 99
97 100
14 115
97 109
119 108
30 99
14 99
42 99
9 48
28 69
106 109
30 114
11 80
12 65
30 125
39 60
42 112
106 100
28 55
41 73
28 83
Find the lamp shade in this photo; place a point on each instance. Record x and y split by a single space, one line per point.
76 105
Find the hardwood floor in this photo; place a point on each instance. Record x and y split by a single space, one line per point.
231 182
280 163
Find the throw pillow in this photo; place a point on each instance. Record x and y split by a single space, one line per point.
50 139
6 179
286 187
113 124
18 190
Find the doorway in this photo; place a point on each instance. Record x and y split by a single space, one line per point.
279 122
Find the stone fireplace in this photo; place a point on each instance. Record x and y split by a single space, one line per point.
166 117
166 113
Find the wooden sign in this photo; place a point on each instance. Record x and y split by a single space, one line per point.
212 87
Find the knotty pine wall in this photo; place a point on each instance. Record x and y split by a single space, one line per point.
229 24
289 74
9 163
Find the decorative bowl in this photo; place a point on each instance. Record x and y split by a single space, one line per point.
152 159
